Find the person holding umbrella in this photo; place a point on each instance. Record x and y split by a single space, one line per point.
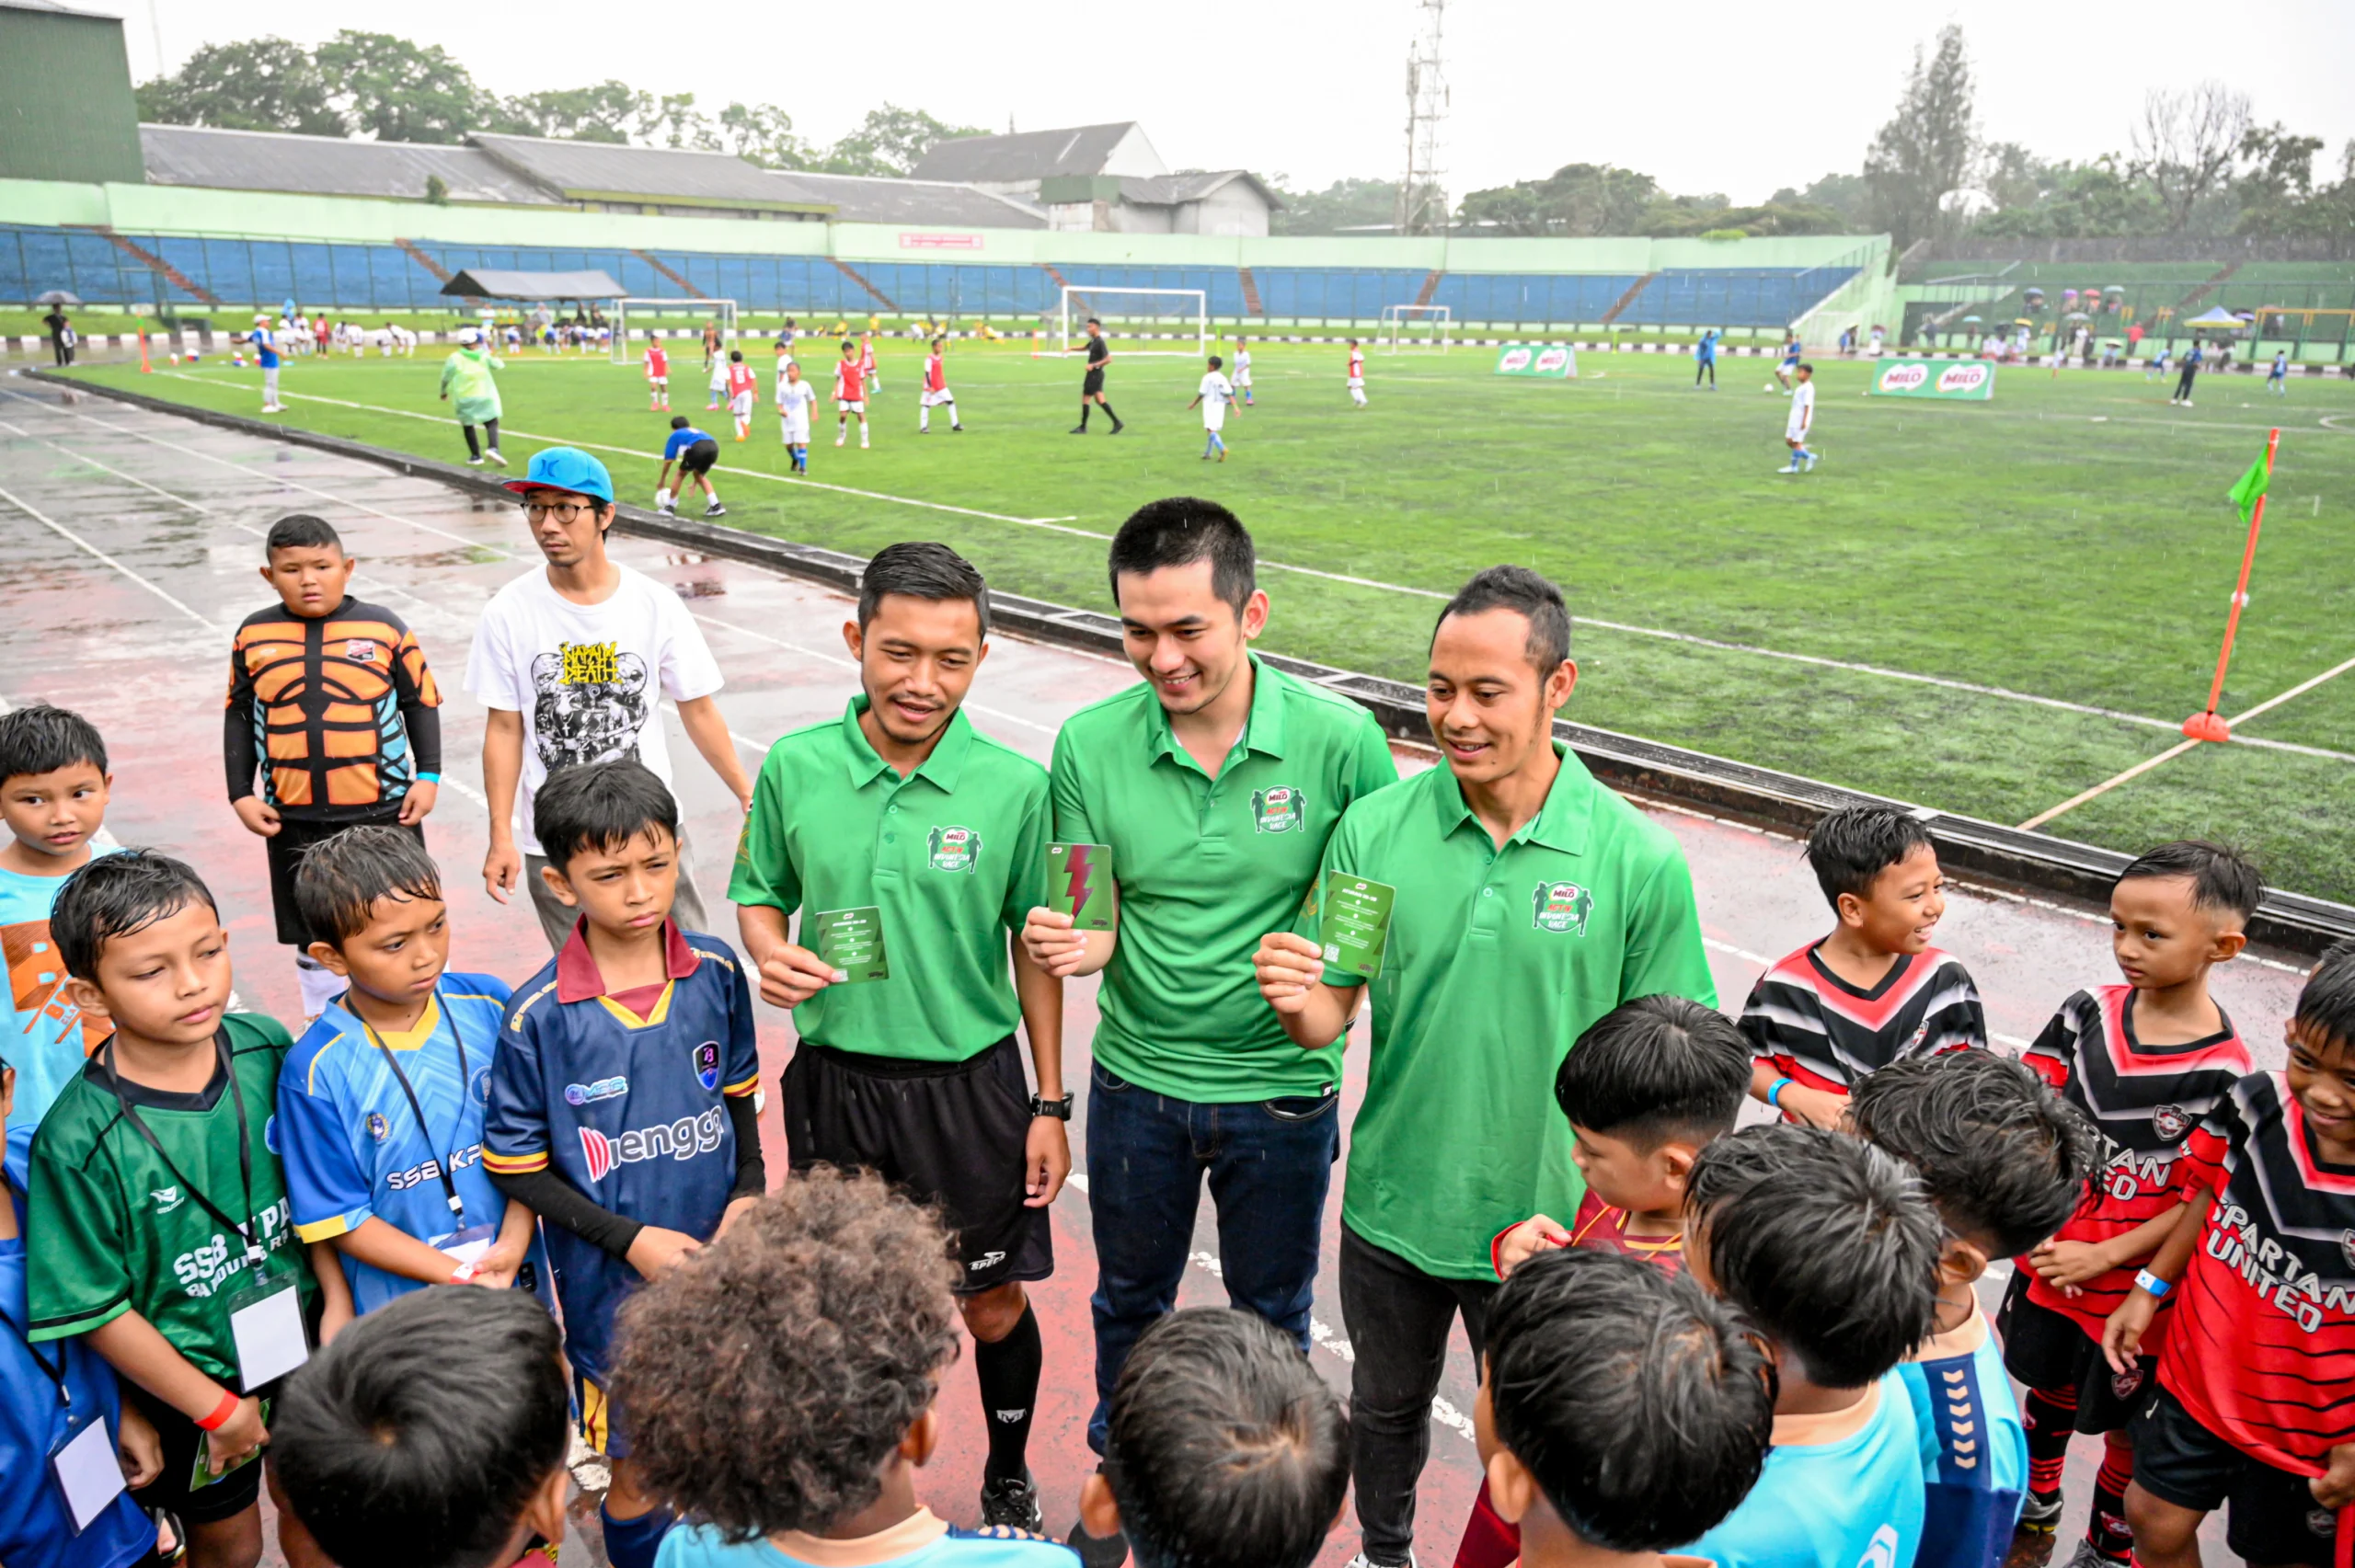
467 373
62 337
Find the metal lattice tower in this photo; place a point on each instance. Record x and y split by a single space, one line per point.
1422 194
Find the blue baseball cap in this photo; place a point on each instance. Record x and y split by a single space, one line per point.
566 468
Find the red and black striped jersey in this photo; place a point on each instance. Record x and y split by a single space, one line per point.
2146 1101
1816 1028
2262 1353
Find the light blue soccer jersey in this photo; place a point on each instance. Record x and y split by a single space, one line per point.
1839 1490
1974 1450
919 1541
46 1040
350 1139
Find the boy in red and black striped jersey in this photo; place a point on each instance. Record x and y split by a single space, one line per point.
2145 1060
1872 993
2252 1407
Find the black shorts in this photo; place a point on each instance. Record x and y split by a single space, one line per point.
225 1498
1093 385
2046 1349
2274 1516
699 458
285 852
951 1133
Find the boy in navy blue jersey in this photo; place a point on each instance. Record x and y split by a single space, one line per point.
2004 1161
621 1096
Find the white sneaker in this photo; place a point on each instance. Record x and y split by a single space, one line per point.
838 440
493 455
473 462
1362 1560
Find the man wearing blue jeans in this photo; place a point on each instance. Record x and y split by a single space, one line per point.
1214 783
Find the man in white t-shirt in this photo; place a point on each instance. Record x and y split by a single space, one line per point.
573 662
1214 396
1801 423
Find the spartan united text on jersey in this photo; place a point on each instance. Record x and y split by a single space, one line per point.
1816 1028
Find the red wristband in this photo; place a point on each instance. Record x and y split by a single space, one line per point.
221 1413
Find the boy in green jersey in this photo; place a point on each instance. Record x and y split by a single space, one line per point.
158 1224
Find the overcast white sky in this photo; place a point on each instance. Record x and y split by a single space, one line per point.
1705 95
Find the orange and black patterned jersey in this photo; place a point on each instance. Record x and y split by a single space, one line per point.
336 713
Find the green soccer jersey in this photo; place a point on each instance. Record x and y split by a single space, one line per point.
953 856
114 1227
1497 960
1206 867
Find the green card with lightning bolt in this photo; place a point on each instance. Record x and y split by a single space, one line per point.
852 941
1079 884
1353 922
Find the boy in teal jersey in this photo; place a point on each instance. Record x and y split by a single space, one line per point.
1827 1246
382 1097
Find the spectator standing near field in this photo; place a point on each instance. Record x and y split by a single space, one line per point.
468 373
61 335
1704 359
1091 387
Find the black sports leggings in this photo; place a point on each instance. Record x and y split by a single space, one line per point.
473 448
1707 368
2183 385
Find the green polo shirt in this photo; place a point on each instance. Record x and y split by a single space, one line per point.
954 854
1497 960
1206 867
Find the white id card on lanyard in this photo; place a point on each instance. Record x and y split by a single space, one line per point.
268 1327
88 1475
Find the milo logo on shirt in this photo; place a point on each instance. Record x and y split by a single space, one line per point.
680 1140
955 849
1562 905
1282 809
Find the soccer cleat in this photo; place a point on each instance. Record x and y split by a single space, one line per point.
1012 1501
493 455
1098 1550
1117 426
839 439
714 510
473 462
2032 1540
956 430
1079 429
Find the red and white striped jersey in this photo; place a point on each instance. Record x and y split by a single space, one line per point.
656 362
1357 364
850 382
741 380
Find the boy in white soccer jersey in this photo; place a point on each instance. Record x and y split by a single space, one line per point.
794 398
1357 374
1213 398
658 377
1800 426
1242 377
2277 380
935 394
718 383
743 386
850 393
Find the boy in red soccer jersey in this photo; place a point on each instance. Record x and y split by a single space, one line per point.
1357 374
2251 1408
743 386
658 376
850 394
2145 1060
936 393
1875 990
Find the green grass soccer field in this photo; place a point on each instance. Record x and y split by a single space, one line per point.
1935 613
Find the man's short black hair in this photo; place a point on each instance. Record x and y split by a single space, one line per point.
1826 1243
40 738
338 880
300 530
1851 847
417 1438
1226 1449
1656 1068
1527 593
921 569
1094 321
2004 1159
116 895
600 806
678 421
2326 1011
1641 1407
1179 531
2221 877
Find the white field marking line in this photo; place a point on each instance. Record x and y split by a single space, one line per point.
63 531
1320 1333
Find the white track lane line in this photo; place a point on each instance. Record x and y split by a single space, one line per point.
65 533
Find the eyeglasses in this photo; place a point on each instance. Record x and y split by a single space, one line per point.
566 511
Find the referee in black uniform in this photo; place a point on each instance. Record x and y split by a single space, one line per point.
1099 354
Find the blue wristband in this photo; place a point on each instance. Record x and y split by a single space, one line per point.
1775 1090
2150 1282
429 778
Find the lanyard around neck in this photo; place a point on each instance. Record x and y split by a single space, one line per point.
442 1164
254 1254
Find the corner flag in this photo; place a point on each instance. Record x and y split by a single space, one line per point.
2251 487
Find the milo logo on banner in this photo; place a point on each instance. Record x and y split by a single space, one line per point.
1966 381
1555 359
1515 361
1552 361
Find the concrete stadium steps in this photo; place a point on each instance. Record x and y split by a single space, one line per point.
1619 306
657 263
149 259
418 254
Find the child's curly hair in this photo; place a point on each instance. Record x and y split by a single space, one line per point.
768 1376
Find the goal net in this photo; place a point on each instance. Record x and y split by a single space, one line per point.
1417 327
635 321
1173 322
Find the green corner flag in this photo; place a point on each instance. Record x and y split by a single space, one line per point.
2252 484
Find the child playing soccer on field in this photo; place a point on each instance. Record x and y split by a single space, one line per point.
1874 990
795 399
1357 374
717 362
1785 373
54 787
743 386
1243 371
850 394
330 702
621 1096
935 394
1213 398
871 378
2003 1162
829 1311
2250 1411
696 455
658 376
1799 426
158 1222
1619 1411
2145 1060
1828 1248
2277 380
382 1128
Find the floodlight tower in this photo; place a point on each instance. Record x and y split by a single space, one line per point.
1422 195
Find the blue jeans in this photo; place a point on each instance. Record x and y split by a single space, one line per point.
1269 1163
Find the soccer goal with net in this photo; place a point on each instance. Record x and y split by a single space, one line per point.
1417 327
1174 323
641 319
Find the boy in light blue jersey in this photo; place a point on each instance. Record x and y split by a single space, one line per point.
381 1100
1830 1250
2005 1162
2277 380
781 1385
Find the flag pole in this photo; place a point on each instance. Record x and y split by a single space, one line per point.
2205 724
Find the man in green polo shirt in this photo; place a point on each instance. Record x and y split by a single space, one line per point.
1530 901
1214 783
913 846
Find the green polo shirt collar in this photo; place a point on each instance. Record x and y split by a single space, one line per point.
1563 823
942 768
1263 731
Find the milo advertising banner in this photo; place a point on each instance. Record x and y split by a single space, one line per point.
1965 380
1557 360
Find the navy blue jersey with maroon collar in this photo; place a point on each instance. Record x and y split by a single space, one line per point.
628 1107
1818 1029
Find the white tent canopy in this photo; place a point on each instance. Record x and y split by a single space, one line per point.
483 284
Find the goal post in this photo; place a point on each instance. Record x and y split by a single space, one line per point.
641 319
1398 323
1162 318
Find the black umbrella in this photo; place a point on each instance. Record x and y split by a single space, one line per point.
56 297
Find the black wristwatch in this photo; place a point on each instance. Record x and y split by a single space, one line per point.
1059 1109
